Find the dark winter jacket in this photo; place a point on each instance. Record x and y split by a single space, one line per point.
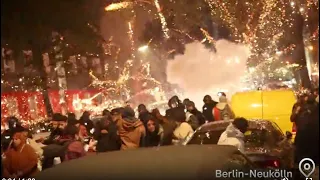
207 110
85 120
109 141
192 120
168 129
199 115
170 113
144 117
307 131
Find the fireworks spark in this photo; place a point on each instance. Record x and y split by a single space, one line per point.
162 19
118 6
263 30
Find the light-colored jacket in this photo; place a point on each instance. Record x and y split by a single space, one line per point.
37 147
232 136
182 131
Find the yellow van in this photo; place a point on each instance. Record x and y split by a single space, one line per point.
274 105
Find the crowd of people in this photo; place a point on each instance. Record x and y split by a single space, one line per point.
120 129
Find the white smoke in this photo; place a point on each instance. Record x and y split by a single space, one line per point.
200 71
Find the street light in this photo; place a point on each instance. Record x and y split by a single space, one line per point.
143 48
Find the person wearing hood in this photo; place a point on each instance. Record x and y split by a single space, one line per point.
175 106
36 146
234 134
74 147
86 121
116 115
72 120
207 108
154 132
106 134
21 161
6 136
190 106
223 111
143 114
302 110
308 131
131 131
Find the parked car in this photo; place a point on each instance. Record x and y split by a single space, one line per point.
168 162
265 144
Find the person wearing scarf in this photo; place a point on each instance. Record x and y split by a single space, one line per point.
20 159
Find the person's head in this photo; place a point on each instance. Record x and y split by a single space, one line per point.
71 119
128 112
13 122
156 113
72 132
86 115
222 94
190 106
105 112
185 101
116 114
302 98
142 108
19 138
71 116
241 124
174 102
207 99
223 99
59 121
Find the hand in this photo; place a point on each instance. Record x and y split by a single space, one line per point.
297 109
92 143
104 131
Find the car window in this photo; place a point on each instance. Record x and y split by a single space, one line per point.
210 137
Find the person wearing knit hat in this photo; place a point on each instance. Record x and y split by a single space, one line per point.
21 160
131 130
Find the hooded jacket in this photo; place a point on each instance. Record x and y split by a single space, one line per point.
232 136
131 132
109 141
207 110
22 159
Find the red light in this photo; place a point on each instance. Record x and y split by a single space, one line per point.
276 163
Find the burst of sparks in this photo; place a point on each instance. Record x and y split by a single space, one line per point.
162 19
118 6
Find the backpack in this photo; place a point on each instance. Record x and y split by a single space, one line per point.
226 113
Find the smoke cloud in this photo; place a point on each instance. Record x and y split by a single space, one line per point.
200 71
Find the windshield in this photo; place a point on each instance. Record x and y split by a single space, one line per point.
253 137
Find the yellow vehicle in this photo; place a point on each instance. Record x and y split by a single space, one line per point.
274 105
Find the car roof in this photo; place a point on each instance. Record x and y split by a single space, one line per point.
168 162
221 125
